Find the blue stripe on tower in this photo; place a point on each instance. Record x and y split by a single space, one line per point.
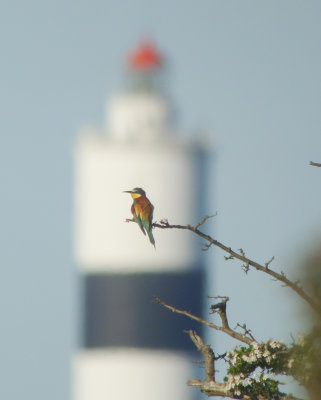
120 312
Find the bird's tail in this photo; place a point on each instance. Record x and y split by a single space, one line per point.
151 237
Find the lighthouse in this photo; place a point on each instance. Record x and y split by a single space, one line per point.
129 347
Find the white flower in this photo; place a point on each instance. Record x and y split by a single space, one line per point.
255 345
266 353
258 353
237 392
265 377
290 362
230 382
275 344
249 359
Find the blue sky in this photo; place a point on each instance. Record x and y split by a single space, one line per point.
247 72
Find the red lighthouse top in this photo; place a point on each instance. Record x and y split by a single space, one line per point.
145 57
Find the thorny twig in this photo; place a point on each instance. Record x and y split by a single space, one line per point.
247 332
164 224
224 328
267 264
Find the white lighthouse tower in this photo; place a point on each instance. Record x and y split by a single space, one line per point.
130 347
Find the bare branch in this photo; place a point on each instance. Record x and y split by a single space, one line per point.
207 353
248 262
246 267
242 252
225 329
247 332
220 309
204 220
268 263
216 389
315 164
220 357
208 386
212 388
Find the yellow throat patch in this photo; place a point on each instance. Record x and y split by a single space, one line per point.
135 195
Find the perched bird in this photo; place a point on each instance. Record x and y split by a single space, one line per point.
142 210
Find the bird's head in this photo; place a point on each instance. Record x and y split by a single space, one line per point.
136 192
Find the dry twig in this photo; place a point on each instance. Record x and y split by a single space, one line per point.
224 328
164 224
315 164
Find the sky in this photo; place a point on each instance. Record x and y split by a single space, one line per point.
246 72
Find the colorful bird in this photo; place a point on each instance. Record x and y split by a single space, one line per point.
142 210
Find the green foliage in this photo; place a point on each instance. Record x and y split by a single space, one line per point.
305 358
252 368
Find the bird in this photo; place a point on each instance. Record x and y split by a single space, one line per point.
142 210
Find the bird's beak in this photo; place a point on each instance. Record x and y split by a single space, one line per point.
127 191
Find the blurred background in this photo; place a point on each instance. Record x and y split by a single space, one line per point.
247 73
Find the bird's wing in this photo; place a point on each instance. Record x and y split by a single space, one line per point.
136 211
147 215
147 221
